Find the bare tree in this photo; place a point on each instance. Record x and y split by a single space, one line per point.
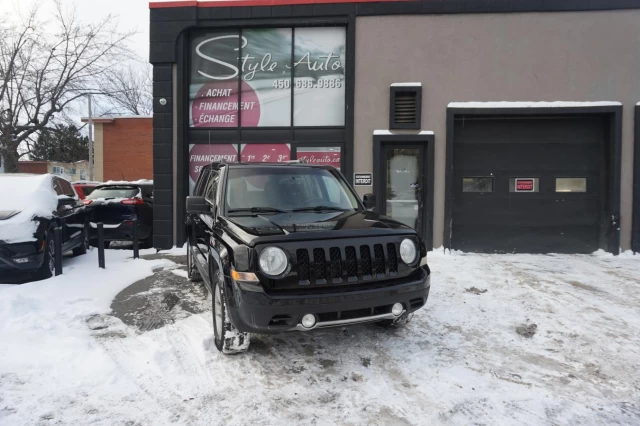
129 89
45 66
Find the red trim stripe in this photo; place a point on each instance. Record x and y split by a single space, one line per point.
238 3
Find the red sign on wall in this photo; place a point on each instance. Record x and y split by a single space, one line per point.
524 185
317 155
265 153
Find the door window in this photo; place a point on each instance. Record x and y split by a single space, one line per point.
202 183
403 175
212 188
477 184
571 184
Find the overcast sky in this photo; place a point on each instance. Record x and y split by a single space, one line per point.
132 15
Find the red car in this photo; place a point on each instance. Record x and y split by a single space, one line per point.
84 188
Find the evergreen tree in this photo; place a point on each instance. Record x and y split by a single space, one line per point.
62 143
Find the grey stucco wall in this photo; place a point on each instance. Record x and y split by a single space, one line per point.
572 56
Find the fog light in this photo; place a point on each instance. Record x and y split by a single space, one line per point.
308 321
397 309
21 260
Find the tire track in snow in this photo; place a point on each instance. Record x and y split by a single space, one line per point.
198 374
155 388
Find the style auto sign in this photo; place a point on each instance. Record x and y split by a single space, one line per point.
247 77
329 61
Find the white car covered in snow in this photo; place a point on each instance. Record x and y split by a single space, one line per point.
31 207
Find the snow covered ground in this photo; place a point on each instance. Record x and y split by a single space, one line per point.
65 360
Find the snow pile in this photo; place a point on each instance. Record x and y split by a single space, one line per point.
503 340
531 104
32 196
125 182
47 342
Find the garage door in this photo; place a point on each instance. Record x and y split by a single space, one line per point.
529 185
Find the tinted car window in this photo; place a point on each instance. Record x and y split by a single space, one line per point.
113 192
287 189
87 190
57 186
212 187
202 182
147 192
67 189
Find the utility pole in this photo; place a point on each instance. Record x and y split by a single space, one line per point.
90 142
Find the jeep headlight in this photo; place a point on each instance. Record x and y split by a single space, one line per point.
408 251
273 261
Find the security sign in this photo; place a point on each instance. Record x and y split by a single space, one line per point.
525 185
363 179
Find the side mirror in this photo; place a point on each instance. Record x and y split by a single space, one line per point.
369 201
197 205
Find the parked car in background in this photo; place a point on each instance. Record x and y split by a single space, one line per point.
290 247
31 206
118 205
84 188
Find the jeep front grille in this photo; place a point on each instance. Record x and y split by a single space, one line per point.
319 264
303 264
336 262
351 262
346 264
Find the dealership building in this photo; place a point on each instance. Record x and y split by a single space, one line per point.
487 125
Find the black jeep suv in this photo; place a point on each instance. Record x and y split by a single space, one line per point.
290 247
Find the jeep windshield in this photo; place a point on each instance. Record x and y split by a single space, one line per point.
272 190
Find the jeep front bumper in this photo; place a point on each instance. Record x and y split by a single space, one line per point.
254 311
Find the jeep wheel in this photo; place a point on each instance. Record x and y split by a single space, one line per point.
192 269
401 321
227 338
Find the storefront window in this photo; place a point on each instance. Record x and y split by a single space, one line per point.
265 153
213 91
256 71
319 85
266 77
331 156
201 155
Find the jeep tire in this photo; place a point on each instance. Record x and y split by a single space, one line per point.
226 337
192 270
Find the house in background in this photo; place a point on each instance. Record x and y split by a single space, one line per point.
122 147
76 171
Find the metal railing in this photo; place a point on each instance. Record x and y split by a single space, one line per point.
57 241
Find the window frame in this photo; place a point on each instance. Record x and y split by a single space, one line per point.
493 184
347 81
584 178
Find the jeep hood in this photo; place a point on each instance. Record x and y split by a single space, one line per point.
303 224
